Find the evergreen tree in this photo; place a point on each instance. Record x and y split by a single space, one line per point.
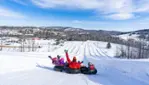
109 45
57 42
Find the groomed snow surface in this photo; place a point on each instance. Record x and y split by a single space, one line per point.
35 68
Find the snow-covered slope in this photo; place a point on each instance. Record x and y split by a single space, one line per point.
129 36
34 68
39 46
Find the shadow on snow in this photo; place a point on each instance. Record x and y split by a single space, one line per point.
44 67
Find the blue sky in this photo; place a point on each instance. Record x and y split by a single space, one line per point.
119 15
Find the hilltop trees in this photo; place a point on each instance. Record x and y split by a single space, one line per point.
133 49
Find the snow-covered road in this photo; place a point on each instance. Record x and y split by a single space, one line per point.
36 69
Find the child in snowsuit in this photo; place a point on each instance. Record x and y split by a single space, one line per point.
57 61
72 64
91 66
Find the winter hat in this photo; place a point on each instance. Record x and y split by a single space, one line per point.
58 56
89 63
74 58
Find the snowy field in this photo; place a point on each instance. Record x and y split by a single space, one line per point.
14 45
35 68
128 36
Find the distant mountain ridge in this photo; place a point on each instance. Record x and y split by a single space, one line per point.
54 31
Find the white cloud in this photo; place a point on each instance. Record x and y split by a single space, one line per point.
142 6
121 16
121 9
11 14
20 2
82 4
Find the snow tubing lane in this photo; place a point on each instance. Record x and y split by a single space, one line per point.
72 71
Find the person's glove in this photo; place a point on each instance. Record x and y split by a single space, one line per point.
65 50
81 61
49 56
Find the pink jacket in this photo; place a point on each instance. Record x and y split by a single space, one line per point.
58 62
